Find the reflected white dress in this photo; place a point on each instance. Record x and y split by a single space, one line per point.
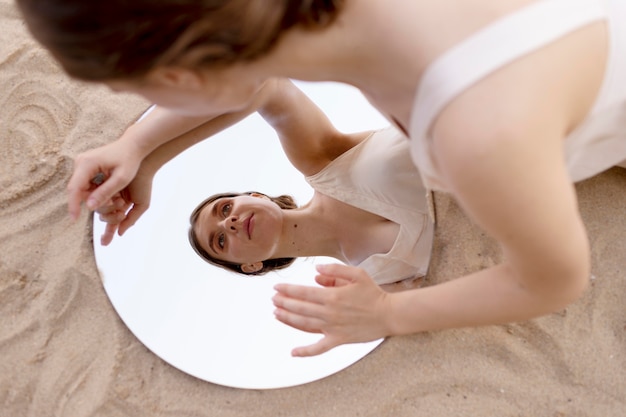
596 145
379 176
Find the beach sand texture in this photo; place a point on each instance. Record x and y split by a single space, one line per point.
64 351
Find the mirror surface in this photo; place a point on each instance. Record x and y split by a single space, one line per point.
216 325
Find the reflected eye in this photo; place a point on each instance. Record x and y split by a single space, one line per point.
226 209
221 239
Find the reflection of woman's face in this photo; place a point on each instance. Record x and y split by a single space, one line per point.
243 229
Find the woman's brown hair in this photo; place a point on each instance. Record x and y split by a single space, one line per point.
285 202
125 39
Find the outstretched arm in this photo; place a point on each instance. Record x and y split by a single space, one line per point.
534 216
120 160
308 138
124 208
306 134
129 164
504 164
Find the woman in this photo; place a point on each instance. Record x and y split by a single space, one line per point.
484 89
369 206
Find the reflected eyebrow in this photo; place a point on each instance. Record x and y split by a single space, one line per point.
211 240
215 214
212 234
214 209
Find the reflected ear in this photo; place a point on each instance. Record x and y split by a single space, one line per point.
175 77
251 268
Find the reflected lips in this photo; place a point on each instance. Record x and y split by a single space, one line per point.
248 226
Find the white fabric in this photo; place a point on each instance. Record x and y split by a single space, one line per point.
379 176
596 145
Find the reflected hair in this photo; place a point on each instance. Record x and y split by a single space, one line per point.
285 202
121 39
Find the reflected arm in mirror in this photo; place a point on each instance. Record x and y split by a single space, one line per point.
308 138
118 162
130 163
129 170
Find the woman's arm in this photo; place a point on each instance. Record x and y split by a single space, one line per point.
130 163
125 207
521 197
120 160
499 146
307 136
517 189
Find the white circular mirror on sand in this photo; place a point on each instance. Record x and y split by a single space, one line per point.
217 325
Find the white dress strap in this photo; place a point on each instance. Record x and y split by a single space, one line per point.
492 47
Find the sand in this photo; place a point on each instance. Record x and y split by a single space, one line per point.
65 352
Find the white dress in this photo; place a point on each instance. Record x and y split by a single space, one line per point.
379 176
596 145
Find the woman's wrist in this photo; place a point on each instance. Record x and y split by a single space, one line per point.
135 145
392 316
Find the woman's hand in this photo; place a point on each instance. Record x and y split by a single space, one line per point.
113 214
350 308
115 163
125 208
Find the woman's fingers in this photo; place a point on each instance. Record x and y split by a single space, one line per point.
114 217
106 191
115 203
109 233
350 308
76 196
80 189
324 345
113 213
98 175
303 307
86 177
342 273
302 292
306 324
132 216
331 281
298 321
310 325
332 275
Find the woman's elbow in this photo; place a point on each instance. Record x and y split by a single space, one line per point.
576 285
568 283
554 282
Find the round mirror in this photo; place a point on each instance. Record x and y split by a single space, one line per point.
210 323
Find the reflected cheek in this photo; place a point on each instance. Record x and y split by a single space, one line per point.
245 252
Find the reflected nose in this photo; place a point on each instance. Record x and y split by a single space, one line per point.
231 224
